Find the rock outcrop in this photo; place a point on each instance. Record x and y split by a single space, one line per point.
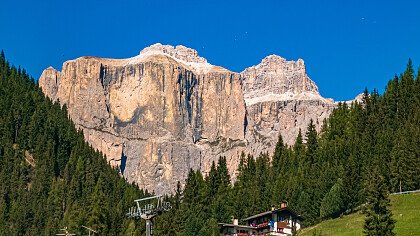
168 110
280 97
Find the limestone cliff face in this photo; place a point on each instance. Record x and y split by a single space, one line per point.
168 110
276 79
281 98
153 113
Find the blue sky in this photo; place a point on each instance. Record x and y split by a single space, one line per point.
347 46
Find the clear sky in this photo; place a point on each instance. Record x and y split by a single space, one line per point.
346 46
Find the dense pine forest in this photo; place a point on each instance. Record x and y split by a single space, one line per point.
51 178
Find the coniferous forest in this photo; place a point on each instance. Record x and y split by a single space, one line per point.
51 178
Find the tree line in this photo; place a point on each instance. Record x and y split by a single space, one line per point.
50 178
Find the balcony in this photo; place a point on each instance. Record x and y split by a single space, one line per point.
261 225
284 224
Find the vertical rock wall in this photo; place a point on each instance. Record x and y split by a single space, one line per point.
168 110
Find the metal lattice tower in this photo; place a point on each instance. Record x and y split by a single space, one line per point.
66 232
90 230
148 210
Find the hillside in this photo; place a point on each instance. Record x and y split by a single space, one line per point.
50 177
405 208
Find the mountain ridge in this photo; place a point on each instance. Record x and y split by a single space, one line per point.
168 102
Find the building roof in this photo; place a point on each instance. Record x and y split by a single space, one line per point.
237 226
294 213
258 215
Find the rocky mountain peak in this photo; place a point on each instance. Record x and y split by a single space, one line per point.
180 53
276 79
275 61
282 99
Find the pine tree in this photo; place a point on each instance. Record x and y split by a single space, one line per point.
262 187
278 152
239 190
98 213
213 181
332 204
298 146
311 142
194 209
303 205
378 220
223 174
2 57
210 228
178 196
351 184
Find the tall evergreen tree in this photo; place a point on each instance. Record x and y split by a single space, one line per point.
332 203
379 220
213 181
277 156
311 142
223 174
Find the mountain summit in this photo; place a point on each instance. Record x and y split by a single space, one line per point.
276 79
167 110
181 54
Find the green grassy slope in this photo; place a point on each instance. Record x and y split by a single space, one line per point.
405 209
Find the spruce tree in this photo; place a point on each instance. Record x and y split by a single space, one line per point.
332 204
311 142
351 184
213 181
298 146
379 221
278 151
223 175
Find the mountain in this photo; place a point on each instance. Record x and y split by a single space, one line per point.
168 110
52 178
281 98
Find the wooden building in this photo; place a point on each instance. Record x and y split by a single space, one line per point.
277 221
237 230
